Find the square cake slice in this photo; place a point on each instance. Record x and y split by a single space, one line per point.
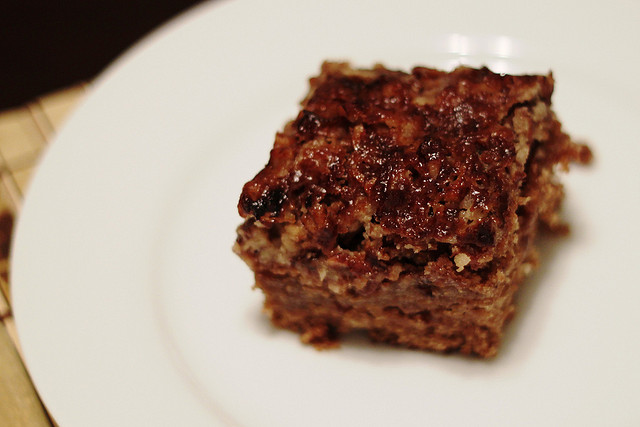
406 205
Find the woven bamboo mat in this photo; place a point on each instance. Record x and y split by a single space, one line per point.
24 133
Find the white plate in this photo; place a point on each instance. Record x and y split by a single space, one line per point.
132 309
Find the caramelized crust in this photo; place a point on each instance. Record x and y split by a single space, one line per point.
406 204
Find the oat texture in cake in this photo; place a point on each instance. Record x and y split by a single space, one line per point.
406 205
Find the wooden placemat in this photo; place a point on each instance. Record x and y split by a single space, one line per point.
24 133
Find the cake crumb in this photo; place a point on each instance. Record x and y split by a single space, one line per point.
461 261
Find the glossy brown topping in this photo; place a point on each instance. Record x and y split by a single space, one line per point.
428 156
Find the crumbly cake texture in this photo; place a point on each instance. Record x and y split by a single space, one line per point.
406 205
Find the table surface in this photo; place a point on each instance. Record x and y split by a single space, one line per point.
24 133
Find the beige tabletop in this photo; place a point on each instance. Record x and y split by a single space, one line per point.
24 134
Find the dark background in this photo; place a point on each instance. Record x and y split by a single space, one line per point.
47 45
